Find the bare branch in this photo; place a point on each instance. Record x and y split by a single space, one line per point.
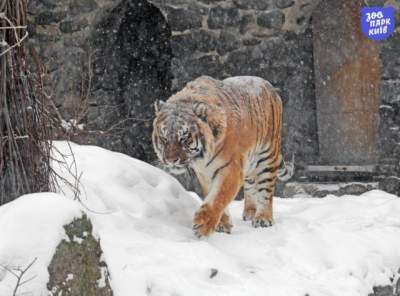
26 125
19 273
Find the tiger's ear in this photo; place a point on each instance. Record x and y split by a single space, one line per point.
200 109
214 116
158 104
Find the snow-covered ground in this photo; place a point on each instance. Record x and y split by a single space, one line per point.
331 246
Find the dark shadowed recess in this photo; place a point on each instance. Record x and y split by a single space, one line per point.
131 66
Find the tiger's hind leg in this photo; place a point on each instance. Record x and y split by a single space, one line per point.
250 206
262 191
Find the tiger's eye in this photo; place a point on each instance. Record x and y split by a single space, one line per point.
188 140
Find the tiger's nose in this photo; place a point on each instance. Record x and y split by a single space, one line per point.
176 161
173 160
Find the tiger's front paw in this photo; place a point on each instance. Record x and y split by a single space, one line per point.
225 224
205 221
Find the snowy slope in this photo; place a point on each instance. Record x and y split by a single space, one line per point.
331 246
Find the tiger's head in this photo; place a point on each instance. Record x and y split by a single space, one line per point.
184 132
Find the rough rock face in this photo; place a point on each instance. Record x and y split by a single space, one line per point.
131 70
76 268
389 290
391 185
321 190
109 60
389 139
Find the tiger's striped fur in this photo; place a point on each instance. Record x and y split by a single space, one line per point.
229 132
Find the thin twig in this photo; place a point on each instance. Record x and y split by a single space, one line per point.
19 273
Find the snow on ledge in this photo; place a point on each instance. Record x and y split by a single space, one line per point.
332 246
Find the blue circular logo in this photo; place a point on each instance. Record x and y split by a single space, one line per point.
377 23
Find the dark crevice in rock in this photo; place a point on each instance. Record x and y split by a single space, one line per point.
132 70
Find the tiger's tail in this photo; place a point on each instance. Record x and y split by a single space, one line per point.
286 171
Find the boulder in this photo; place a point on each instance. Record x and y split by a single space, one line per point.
77 268
391 185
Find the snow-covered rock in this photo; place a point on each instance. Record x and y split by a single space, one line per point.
331 246
31 227
77 267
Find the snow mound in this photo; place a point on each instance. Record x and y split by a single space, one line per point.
115 184
331 246
30 229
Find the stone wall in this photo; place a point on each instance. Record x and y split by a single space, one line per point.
100 53
110 60
390 104
269 39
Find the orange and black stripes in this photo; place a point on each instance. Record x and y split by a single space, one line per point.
235 125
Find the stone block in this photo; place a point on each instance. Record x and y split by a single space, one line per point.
284 3
237 63
49 17
182 19
198 8
253 4
251 41
375 2
206 41
73 26
390 57
391 185
227 42
273 19
210 1
183 45
205 65
319 190
82 6
50 3
220 17
390 91
246 23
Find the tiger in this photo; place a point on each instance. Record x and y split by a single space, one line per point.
229 133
